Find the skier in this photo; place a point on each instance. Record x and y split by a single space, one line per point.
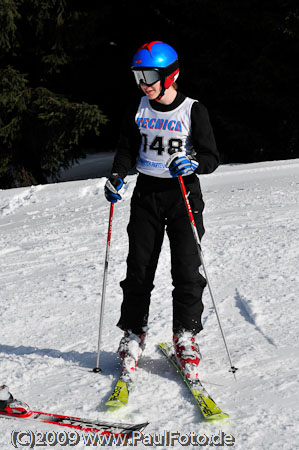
169 135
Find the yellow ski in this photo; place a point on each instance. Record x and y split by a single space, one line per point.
120 394
209 409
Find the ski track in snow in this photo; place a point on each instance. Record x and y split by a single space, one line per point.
52 248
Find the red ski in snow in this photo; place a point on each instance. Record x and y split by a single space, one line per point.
16 409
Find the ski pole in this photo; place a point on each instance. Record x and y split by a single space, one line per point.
97 368
233 369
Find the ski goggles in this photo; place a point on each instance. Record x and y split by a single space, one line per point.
147 77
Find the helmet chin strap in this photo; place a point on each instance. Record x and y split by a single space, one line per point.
162 92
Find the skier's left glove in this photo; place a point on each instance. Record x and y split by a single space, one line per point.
112 186
181 165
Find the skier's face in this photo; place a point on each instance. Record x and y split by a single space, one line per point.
152 91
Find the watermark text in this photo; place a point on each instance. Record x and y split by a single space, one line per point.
31 439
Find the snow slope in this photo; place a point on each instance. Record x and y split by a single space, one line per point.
52 248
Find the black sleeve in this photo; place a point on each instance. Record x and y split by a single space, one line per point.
128 144
203 139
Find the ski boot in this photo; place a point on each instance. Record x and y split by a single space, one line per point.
187 354
130 350
10 406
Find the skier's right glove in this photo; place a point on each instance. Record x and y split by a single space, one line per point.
112 186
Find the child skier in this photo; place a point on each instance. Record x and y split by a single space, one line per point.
169 135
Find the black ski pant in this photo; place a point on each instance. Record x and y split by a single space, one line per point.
158 205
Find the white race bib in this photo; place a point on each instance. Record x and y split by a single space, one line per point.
162 133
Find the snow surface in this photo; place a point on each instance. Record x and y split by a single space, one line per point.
53 241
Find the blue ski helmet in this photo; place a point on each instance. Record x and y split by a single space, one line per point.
156 61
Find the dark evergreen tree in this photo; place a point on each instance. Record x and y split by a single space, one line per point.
40 130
